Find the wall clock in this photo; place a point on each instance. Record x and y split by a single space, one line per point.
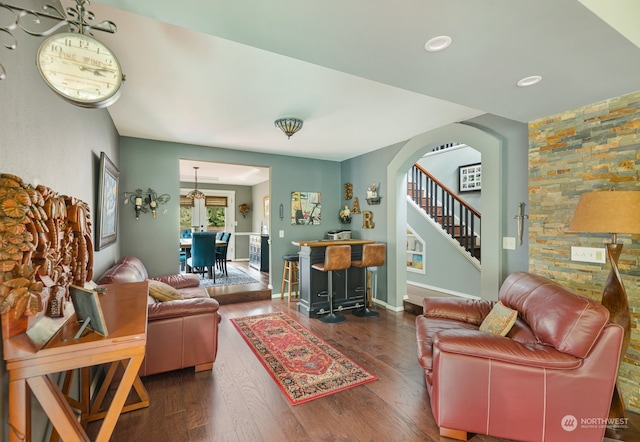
80 69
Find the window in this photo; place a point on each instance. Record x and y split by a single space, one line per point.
212 208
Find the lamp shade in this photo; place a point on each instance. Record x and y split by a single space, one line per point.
289 125
607 212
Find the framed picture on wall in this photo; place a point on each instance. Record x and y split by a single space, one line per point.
265 206
470 178
107 213
306 208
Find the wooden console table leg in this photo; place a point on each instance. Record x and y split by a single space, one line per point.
127 381
19 411
97 413
55 405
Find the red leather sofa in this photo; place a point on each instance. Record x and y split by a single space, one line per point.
180 333
551 378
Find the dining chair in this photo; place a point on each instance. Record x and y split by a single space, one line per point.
203 254
221 253
183 259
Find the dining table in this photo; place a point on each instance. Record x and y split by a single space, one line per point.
185 243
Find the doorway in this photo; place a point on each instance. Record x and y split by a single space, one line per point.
492 200
226 187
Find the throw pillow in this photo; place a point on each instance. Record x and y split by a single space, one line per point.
163 292
499 320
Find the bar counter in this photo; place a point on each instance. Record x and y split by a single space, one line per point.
348 285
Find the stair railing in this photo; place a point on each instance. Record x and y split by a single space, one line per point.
456 217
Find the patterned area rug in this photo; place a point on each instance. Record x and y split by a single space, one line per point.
303 365
235 277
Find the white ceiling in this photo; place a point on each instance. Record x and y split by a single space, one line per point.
219 173
218 72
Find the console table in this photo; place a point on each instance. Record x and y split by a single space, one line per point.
348 284
125 311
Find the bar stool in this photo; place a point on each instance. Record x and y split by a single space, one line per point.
335 258
290 275
373 255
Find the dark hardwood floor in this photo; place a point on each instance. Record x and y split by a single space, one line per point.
238 400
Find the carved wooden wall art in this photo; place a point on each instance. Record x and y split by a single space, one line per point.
45 245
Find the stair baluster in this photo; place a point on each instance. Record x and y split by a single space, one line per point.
441 204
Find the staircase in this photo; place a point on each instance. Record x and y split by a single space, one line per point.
447 209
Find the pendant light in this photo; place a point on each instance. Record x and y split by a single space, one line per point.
196 194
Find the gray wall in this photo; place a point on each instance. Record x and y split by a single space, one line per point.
444 165
288 174
515 166
45 140
258 220
362 172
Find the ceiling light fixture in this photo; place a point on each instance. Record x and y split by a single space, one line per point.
529 81
439 43
289 125
196 194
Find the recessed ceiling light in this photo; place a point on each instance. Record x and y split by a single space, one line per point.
438 43
529 81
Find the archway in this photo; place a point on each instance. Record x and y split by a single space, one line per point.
492 195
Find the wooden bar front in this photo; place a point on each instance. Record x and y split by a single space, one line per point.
348 285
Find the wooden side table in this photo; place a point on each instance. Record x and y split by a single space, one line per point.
125 310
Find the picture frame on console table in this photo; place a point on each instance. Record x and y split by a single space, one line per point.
86 304
470 178
107 212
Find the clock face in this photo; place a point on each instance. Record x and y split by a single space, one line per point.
80 69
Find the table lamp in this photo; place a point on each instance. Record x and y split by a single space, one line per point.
611 212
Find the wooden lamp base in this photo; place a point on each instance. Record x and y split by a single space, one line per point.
614 298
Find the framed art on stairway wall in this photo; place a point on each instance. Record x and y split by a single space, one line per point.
470 178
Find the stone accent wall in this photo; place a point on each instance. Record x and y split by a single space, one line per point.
589 148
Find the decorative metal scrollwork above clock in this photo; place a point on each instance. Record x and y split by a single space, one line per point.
79 68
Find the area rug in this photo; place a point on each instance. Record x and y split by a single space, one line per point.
303 365
235 277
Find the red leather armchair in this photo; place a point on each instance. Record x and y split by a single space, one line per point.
551 378
181 333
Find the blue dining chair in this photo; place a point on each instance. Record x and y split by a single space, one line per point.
221 253
185 233
203 254
183 259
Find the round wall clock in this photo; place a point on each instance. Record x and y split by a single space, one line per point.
80 69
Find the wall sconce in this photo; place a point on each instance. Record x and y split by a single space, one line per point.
144 202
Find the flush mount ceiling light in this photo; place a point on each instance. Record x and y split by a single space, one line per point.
438 43
195 193
289 125
529 81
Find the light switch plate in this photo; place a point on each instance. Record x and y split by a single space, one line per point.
589 254
281 233
508 243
